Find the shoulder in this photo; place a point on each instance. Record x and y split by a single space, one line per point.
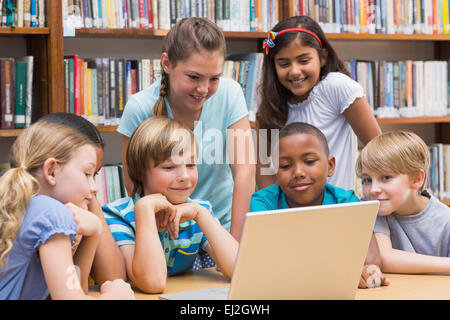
265 199
138 108
437 206
120 208
338 80
45 217
44 206
340 195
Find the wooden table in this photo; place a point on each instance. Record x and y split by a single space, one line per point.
402 287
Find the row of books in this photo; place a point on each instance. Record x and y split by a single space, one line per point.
110 184
230 15
22 13
404 88
122 14
16 87
99 88
377 16
246 70
438 182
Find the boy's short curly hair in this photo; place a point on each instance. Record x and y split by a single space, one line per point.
398 152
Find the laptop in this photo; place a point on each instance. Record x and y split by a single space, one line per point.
298 253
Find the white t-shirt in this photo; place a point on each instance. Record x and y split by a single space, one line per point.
323 109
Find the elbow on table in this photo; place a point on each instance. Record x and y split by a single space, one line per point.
151 285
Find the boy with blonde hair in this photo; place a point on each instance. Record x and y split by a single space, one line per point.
413 227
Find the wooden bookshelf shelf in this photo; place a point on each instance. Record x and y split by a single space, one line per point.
446 202
339 36
10 132
24 31
413 120
115 32
107 128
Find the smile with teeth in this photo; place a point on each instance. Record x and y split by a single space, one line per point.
297 82
198 98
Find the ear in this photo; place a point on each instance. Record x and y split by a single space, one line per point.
165 62
418 180
323 57
331 166
49 170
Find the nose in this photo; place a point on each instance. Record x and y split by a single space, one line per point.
299 171
296 69
375 187
182 174
93 186
203 87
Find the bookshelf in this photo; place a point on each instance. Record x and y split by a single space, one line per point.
49 46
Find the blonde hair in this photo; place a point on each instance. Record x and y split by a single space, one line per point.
36 144
154 141
399 152
187 36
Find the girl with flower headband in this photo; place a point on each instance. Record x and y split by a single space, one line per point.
305 81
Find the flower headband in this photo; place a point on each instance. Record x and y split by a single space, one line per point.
268 42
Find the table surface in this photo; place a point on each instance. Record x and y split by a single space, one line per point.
402 287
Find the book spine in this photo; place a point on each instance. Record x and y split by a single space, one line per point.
20 94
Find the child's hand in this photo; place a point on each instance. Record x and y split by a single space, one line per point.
184 212
162 208
372 277
119 289
88 224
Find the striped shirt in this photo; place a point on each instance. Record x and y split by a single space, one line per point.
180 253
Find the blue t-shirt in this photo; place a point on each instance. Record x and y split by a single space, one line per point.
23 277
273 198
226 107
180 253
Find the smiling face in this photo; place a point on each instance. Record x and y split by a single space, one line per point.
175 178
303 170
394 191
298 69
194 80
74 181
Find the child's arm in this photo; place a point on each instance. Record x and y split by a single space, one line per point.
145 261
89 227
222 246
399 261
61 275
243 170
362 120
108 260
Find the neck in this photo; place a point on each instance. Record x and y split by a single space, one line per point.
413 204
184 115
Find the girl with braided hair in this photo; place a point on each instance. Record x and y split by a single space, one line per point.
192 91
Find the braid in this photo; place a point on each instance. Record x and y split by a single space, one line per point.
160 108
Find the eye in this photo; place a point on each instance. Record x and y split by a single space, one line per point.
168 167
284 166
191 165
310 162
193 77
386 178
366 180
215 79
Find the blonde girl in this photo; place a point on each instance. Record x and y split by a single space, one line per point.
43 206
